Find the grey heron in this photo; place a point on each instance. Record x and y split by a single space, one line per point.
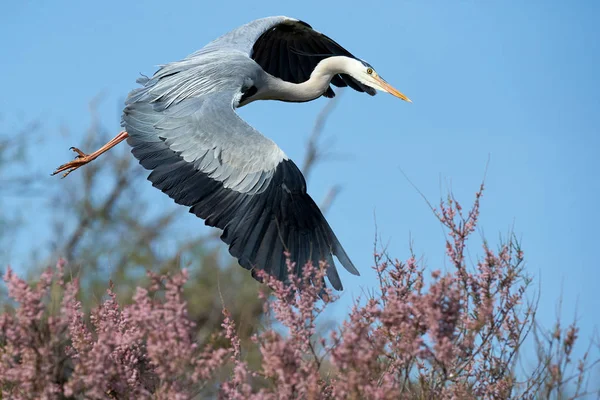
181 124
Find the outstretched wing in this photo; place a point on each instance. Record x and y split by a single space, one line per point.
203 155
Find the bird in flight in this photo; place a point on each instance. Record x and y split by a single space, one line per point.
182 125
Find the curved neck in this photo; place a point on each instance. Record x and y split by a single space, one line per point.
278 89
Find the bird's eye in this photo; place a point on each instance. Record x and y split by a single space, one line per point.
369 71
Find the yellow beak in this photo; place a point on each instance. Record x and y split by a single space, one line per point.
388 88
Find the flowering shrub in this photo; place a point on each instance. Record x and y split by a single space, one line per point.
455 334
138 351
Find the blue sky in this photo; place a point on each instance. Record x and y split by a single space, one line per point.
513 81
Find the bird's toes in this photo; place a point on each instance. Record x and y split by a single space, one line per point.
80 154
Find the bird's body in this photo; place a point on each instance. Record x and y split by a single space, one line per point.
181 124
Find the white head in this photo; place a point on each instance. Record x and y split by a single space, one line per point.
365 74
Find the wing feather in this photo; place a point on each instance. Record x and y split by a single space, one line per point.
204 156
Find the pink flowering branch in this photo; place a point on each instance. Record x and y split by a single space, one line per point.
456 334
143 350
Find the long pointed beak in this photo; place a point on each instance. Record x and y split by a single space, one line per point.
391 90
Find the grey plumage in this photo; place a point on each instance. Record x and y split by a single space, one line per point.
182 125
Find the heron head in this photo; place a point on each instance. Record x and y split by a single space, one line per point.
366 74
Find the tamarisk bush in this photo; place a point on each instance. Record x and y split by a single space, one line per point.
431 335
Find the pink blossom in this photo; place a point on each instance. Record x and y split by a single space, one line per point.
443 335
